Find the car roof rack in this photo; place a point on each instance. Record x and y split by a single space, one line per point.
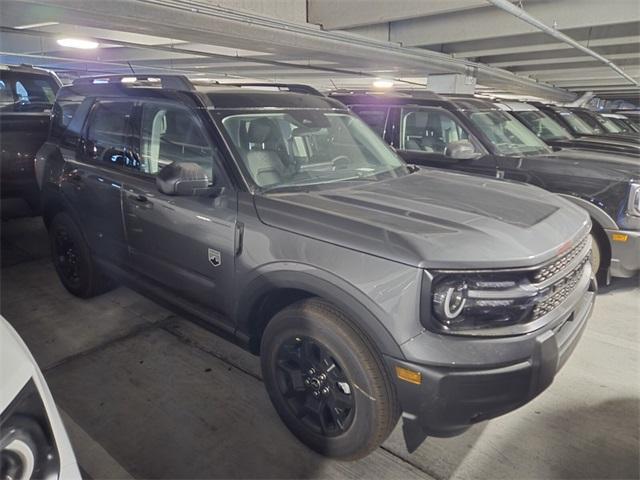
175 82
286 87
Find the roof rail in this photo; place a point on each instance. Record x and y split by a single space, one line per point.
175 82
288 87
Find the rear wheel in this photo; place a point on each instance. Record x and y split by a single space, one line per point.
72 259
326 382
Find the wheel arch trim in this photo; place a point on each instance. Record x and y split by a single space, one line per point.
362 311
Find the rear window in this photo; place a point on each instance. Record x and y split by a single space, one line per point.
26 92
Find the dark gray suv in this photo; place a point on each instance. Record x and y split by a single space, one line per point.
370 289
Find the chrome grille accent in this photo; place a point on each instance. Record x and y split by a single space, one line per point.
557 266
558 291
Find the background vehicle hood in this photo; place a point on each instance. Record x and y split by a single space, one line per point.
434 219
615 166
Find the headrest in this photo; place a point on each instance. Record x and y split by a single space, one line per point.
260 130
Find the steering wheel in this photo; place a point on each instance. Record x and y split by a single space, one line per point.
340 162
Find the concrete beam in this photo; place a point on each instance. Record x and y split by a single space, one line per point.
343 14
201 24
482 23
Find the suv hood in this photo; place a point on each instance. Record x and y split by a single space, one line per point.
434 219
600 164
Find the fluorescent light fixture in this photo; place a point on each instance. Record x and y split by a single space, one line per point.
129 79
383 83
77 43
35 25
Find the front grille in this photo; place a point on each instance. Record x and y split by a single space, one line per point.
557 266
568 275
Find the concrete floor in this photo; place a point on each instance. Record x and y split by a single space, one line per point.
147 394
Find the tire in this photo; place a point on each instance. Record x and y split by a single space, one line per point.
354 408
599 256
73 261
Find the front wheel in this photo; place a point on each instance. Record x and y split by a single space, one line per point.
326 382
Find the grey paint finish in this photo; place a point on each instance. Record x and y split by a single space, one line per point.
594 402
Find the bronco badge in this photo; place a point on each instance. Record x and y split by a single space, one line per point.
214 257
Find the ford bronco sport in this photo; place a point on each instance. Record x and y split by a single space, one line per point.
370 289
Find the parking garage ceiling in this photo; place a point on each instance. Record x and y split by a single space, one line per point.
335 42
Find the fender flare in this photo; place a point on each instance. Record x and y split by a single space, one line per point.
595 212
362 311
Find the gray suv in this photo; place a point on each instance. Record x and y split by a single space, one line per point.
370 289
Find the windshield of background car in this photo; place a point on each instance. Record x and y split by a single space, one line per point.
308 147
579 125
26 92
508 135
543 126
609 125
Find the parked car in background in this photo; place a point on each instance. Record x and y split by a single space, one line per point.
370 289
578 127
557 136
632 116
26 97
477 136
622 122
33 441
602 124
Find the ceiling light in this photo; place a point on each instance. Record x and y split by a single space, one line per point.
35 25
77 43
382 83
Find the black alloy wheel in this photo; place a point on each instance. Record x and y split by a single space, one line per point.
315 387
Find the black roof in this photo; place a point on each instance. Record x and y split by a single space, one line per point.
453 102
231 97
215 95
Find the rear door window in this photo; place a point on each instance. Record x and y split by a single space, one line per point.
108 134
27 92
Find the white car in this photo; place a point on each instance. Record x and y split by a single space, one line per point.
33 441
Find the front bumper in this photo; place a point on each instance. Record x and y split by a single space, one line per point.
449 399
625 252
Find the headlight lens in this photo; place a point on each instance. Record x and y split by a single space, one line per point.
27 445
472 302
504 302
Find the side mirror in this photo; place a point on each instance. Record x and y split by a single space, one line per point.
461 150
183 178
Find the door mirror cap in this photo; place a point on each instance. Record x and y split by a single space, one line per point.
461 150
183 178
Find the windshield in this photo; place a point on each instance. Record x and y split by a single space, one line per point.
543 126
575 122
508 135
308 147
608 124
26 92
586 117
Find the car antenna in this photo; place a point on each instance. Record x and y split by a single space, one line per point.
132 70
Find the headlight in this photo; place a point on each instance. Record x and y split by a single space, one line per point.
473 301
27 446
634 200
502 302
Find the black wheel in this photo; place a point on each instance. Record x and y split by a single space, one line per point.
326 382
72 259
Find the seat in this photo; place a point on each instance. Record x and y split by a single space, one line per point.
263 160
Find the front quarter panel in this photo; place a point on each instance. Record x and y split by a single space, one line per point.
380 296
